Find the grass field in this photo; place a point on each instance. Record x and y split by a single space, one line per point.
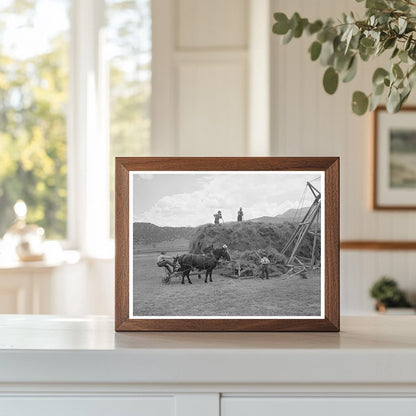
225 296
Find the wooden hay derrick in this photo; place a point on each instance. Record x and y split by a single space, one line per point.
309 224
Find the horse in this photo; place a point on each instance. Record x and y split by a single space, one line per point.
206 262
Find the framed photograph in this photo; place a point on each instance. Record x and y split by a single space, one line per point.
394 179
227 244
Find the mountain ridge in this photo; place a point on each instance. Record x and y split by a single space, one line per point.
148 233
288 215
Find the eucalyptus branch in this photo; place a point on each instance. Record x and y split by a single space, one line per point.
388 25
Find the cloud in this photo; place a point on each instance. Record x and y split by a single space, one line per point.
147 176
258 195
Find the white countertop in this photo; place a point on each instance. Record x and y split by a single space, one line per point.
52 349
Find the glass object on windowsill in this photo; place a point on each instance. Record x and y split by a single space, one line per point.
23 240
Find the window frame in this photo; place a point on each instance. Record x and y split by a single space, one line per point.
88 133
87 128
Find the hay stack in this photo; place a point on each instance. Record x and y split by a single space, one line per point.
248 242
243 236
245 264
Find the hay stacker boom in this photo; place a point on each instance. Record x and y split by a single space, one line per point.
310 223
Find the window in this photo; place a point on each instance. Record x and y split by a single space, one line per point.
75 88
129 43
33 102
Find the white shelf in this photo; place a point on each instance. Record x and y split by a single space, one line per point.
48 349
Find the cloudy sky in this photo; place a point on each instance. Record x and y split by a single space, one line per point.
180 199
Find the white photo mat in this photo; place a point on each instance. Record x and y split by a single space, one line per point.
132 191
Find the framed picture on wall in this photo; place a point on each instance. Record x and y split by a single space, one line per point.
394 178
227 244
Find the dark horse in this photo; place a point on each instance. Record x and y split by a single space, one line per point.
206 262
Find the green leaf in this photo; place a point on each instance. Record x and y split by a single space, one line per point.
281 27
411 76
400 5
294 20
332 33
408 42
374 102
330 80
376 4
366 53
367 42
378 89
379 75
355 41
403 56
366 48
412 70
322 36
298 30
351 71
359 103
389 43
402 24
393 101
395 52
314 27
403 96
288 37
341 61
397 71
336 42
412 52
327 53
315 50
348 34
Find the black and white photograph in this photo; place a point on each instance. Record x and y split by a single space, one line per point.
394 159
226 244
403 158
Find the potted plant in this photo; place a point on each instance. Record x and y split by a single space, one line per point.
387 294
389 27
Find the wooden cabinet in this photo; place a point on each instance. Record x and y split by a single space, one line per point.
79 366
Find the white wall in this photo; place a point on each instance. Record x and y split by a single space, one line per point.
211 93
308 122
202 80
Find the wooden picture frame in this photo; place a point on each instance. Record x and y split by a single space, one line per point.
394 184
130 175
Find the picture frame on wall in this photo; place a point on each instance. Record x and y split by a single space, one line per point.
394 163
227 244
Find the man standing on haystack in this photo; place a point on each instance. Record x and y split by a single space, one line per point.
240 215
218 217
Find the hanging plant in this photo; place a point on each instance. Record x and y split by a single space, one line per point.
389 27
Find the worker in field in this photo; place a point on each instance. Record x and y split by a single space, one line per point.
218 217
240 215
166 261
264 267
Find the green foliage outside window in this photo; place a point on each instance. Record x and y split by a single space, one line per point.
34 103
129 41
33 99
